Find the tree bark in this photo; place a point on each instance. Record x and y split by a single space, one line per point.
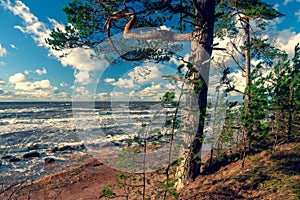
201 49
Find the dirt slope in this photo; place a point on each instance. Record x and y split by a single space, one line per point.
265 176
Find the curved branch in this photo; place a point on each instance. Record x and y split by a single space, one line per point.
128 26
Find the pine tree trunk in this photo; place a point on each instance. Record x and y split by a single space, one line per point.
247 132
201 50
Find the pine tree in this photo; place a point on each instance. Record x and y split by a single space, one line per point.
93 21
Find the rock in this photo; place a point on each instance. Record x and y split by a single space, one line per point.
33 147
11 158
32 154
116 143
14 159
49 160
53 150
7 157
82 146
64 148
0 163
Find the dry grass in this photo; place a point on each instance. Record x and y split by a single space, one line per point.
265 176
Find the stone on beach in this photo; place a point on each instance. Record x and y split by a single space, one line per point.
14 159
49 160
11 158
31 154
67 148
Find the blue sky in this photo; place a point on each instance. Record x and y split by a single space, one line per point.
31 71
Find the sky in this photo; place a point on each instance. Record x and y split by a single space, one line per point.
31 71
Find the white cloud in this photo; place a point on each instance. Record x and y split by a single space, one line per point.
82 77
109 80
78 58
103 96
287 40
155 91
32 26
36 85
17 78
125 83
152 93
13 46
2 51
20 82
27 72
82 94
2 63
41 71
40 94
140 75
238 81
63 84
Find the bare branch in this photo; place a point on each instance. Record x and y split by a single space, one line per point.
160 34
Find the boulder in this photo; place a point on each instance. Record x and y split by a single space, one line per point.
49 160
31 154
14 159
7 157
11 158
65 148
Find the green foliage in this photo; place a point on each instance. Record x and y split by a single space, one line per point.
234 12
87 19
107 192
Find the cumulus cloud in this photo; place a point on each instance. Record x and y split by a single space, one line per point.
82 77
155 91
103 96
287 40
41 71
43 84
82 94
17 78
125 83
2 63
33 95
2 51
140 75
109 80
20 82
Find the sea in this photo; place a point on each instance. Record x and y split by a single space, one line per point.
40 138
62 131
